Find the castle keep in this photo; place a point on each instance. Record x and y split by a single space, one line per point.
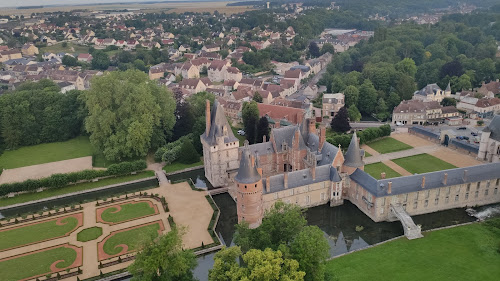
296 165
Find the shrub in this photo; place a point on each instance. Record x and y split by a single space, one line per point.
188 153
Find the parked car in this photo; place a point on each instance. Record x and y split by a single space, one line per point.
241 132
460 137
474 134
462 128
399 124
465 138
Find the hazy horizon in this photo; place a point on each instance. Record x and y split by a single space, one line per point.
18 3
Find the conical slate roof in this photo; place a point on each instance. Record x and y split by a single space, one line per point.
353 156
448 88
218 122
247 173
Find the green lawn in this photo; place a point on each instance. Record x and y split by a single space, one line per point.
57 48
376 169
422 163
367 154
462 253
388 145
26 197
240 138
176 166
132 238
128 211
36 232
45 153
36 264
89 234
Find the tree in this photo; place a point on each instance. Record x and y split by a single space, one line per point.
263 129
257 97
128 114
64 44
354 114
250 115
314 50
463 83
405 87
259 265
449 102
224 53
100 60
327 48
381 109
367 98
392 101
69 61
164 259
340 122
281 223
311 249
188 154
351 96
407 66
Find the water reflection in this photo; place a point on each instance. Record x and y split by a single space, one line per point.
197 176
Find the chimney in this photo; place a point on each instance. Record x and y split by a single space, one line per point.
322 137
268 184
296 140
207 118
312 126
285 180
382 175
259 170
264 138
389 187
465 175
300 117
423 181
313 172
445 178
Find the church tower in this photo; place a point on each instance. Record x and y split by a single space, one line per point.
249 203
352 158
220 147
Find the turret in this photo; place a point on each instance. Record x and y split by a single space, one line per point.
249 190
483 145
352 157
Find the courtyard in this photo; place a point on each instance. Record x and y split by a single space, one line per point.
100 236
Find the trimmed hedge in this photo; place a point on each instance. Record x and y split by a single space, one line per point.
61 180
365 136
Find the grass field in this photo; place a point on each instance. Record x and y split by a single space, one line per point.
388 145
26 197
71 48
89 234
132 238
36 264
376 169
240 138
176 166
35 232
367 154
422 163
45 153
462 253
127 212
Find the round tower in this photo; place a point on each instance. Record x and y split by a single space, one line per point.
483 145
249 191
352 158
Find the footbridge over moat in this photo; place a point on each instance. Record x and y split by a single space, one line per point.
412 231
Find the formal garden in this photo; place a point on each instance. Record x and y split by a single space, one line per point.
423 163
40 263
376 169
125 212
89 234
468 252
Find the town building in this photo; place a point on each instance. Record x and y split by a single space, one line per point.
432 92
332 103
489 147
418 112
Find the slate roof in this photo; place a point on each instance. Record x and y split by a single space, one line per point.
287 134
413 183
218 122
247 173
430 89
494 128
302 178
353 154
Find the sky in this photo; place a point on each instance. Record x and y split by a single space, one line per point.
17 3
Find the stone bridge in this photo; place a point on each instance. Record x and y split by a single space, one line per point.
412 231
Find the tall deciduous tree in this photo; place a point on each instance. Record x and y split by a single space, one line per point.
311 250
351 94
164 260
100 60
314 50
258 265
354 114
250 115
407 66
327 48
340 123
128 115
367 98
